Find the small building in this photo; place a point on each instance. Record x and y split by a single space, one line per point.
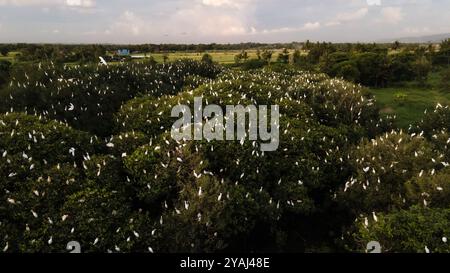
123 52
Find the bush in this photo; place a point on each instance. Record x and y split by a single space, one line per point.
445 80
153 169
381 168
206 58
44 142
136 190
422 68
401 67
430 190
87 97
347 70
416 230
373 68
435 121
5 68
150 115
400 98
126 143
253 64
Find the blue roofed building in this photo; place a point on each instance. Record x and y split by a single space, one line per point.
123 52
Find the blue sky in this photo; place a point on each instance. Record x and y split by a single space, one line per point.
221 21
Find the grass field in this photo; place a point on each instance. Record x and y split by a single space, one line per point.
408 103
222 57
10 57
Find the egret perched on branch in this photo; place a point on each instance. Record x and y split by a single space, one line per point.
102 61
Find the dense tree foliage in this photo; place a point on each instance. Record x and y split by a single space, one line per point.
416 230
5 68
86 155
86 97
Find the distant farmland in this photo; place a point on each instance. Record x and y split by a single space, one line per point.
222 57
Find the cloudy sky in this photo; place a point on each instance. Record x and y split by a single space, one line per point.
221 21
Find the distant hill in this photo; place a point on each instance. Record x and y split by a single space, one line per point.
436 38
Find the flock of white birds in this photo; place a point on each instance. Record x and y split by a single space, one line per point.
309 102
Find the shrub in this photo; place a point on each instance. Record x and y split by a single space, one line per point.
416 230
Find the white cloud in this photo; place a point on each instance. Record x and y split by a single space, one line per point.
209 22
128 22
348 17
352 16
80 3
392 14
186 21
226 3
332 23
306 27
196 21
417 30
208 19
29 2
311 26
69 3
374 2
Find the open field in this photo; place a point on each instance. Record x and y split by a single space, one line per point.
10 57
222 57
408 103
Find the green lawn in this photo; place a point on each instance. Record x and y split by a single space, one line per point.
408 103
222 57
225 57
10 57
6 58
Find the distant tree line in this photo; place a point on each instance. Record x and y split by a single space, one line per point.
375 65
